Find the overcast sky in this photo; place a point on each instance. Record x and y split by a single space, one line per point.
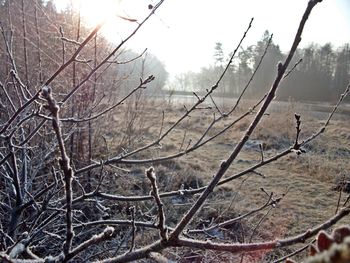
183 32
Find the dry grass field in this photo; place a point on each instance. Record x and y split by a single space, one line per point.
308 184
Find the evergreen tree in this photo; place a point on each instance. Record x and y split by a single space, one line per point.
342 71
218 54
264 76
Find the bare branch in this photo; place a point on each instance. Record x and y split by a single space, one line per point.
65 166
161 224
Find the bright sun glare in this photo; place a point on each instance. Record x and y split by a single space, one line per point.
186 30
95 12
117 16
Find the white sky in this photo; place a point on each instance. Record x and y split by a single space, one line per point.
183 33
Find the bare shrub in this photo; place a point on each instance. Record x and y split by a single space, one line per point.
90 172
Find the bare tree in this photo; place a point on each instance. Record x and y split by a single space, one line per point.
51 213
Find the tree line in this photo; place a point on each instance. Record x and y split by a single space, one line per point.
320 72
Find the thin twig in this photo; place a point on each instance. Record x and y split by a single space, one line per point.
133 228
296 252
65 166
292 69
94 240
150 174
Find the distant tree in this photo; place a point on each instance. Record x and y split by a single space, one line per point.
219 54
325 71
132 71
264 77
231 77
186 81
307 80
245 65
219 60
319 75
342 70
150 64
203 78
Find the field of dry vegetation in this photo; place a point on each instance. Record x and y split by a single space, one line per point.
308 184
